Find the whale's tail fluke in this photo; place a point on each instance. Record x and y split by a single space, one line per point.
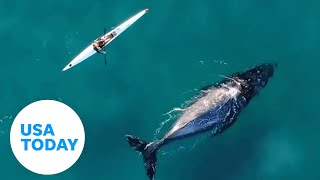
148 150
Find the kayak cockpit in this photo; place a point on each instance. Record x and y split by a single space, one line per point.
99 43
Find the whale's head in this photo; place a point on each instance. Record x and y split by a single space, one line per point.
255 79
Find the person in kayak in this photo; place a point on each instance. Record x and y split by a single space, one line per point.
99 43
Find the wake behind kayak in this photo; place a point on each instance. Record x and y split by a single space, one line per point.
100 43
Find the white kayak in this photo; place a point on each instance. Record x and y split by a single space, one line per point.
89 51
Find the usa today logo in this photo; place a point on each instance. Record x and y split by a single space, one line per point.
47 137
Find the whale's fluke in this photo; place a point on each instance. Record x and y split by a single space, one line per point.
136 144
148 151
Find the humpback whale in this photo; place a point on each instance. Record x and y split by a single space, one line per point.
216 109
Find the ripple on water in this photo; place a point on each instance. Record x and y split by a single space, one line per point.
5 121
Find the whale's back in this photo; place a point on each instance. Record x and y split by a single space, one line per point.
214 110
218 108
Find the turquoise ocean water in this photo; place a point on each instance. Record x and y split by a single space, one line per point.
156 66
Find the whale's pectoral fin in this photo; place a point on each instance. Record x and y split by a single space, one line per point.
148 151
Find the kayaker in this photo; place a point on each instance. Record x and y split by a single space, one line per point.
98 45
109 37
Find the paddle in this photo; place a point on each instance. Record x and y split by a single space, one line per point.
105 56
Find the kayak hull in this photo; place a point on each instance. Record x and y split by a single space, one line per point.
125 25
89 51
85 54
